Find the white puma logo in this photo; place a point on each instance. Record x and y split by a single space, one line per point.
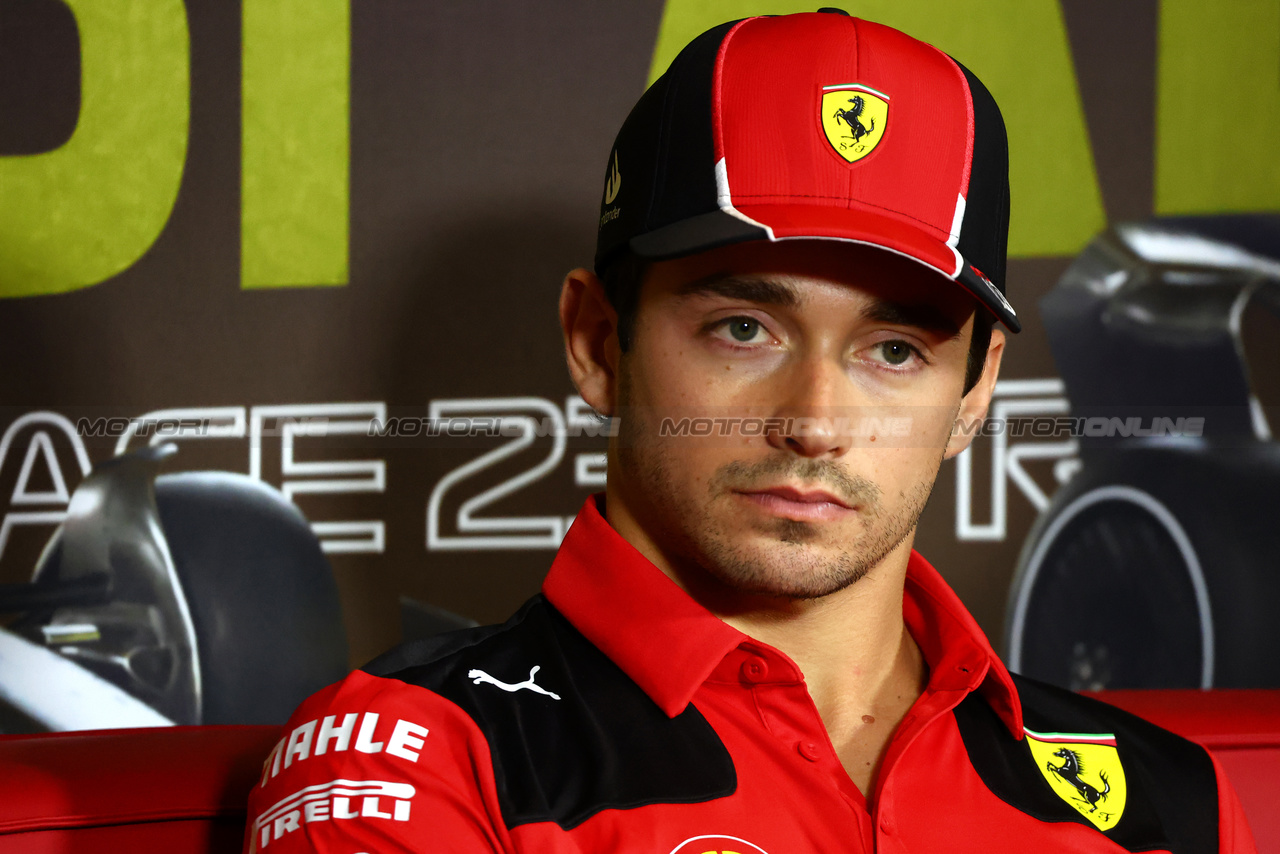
614 182
478 676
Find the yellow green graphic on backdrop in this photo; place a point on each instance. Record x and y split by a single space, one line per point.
1218 107
296 146
80 214
87 210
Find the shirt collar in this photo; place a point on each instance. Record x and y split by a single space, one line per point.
669 644
665 641
959 656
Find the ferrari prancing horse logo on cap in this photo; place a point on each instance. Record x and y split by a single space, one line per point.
1084 770
854 118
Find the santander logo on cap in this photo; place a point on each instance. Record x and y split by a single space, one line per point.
613 183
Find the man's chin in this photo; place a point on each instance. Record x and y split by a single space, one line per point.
785 570
790 540
789 589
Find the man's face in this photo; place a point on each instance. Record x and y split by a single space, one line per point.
828 376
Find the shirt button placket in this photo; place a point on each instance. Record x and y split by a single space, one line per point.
754 670
809 750
884 818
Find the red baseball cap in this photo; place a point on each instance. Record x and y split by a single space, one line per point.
815 126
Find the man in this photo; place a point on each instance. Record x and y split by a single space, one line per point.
801 256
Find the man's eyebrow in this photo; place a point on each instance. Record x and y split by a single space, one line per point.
771 292
746 288
921 316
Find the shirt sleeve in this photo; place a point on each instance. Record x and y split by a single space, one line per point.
373 764
1234 836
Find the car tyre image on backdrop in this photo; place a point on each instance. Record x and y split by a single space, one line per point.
204 595
1154 566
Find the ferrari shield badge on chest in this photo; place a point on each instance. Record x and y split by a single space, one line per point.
1084 770
854 118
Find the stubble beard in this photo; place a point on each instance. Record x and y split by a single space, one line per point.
785 558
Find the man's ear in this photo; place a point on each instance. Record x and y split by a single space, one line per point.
973 407
590 327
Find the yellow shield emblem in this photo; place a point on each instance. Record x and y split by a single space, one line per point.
1084 770
854 118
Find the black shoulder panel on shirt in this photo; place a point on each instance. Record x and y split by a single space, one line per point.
1172 791
599 743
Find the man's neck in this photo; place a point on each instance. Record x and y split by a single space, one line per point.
858 659
860 664
862 667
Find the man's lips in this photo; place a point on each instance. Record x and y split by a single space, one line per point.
809 505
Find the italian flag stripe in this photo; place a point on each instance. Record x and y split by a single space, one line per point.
861 86
1070 737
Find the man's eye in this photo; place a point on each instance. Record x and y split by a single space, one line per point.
895 352
743 329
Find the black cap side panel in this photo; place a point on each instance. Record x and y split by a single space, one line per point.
628 178
695 234
673 115
688 186
984 234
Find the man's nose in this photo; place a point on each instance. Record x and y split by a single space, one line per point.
815 403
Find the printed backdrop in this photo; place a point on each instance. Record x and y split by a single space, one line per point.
302 212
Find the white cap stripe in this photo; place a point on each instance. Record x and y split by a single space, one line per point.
724 199
957 219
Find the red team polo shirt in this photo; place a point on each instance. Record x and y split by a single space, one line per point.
615 714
